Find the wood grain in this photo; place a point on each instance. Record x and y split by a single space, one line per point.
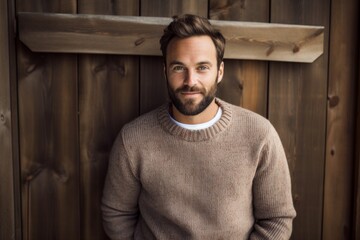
356 216
157 8
48 130
108 98
140 36
297 108
7 190
344 38
245 82
47 90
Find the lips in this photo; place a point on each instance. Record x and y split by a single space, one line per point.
189 91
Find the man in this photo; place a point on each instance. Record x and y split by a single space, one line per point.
197 167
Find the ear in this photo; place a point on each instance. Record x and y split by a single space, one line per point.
165 74
220 72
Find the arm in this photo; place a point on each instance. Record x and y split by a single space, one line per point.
120 197
272 199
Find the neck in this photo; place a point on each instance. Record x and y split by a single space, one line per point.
205 116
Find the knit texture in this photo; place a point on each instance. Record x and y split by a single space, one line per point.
228 181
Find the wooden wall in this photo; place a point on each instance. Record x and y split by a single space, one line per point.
63 111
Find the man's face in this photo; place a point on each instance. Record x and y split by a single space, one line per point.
192 73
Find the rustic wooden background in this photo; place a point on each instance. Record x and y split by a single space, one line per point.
59 115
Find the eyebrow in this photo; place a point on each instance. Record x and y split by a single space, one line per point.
204 62
181 63
176 63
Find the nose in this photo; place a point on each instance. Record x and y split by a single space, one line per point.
191 78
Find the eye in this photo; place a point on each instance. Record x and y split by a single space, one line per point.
203 68
178 68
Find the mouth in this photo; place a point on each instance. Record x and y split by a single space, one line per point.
190 94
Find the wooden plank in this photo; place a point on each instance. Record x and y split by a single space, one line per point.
153 90
297 108
47 92
109 97
18 235
338 193
252 11
245 82
162 8
140 36
7 189
48 143
356 217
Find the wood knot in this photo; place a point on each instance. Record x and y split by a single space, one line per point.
2 118
333 101
139 41
31 68
332 152
270 50
241 86
296 48
33 173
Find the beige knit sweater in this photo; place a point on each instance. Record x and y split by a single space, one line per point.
228 181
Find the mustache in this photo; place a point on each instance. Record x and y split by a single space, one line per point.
190 89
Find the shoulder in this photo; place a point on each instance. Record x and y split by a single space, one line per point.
136 132
248 124
247 118
142 125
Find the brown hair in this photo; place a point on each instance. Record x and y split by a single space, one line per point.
190 25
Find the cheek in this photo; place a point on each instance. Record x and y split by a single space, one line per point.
174 80
171 84
210 79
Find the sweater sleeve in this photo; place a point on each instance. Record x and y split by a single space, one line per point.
272 199
120 196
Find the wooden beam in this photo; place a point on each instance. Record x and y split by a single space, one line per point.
82 33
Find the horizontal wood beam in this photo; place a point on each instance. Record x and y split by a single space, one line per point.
80 33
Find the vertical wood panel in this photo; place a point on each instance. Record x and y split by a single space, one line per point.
356 212
47 88
338 195
14 120
7 120
108 98
297 108
48 142
153 89
245 82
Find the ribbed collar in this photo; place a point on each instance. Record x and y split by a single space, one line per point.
196 135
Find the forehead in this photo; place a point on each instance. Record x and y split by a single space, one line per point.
191 49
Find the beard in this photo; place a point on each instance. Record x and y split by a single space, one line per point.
189 107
